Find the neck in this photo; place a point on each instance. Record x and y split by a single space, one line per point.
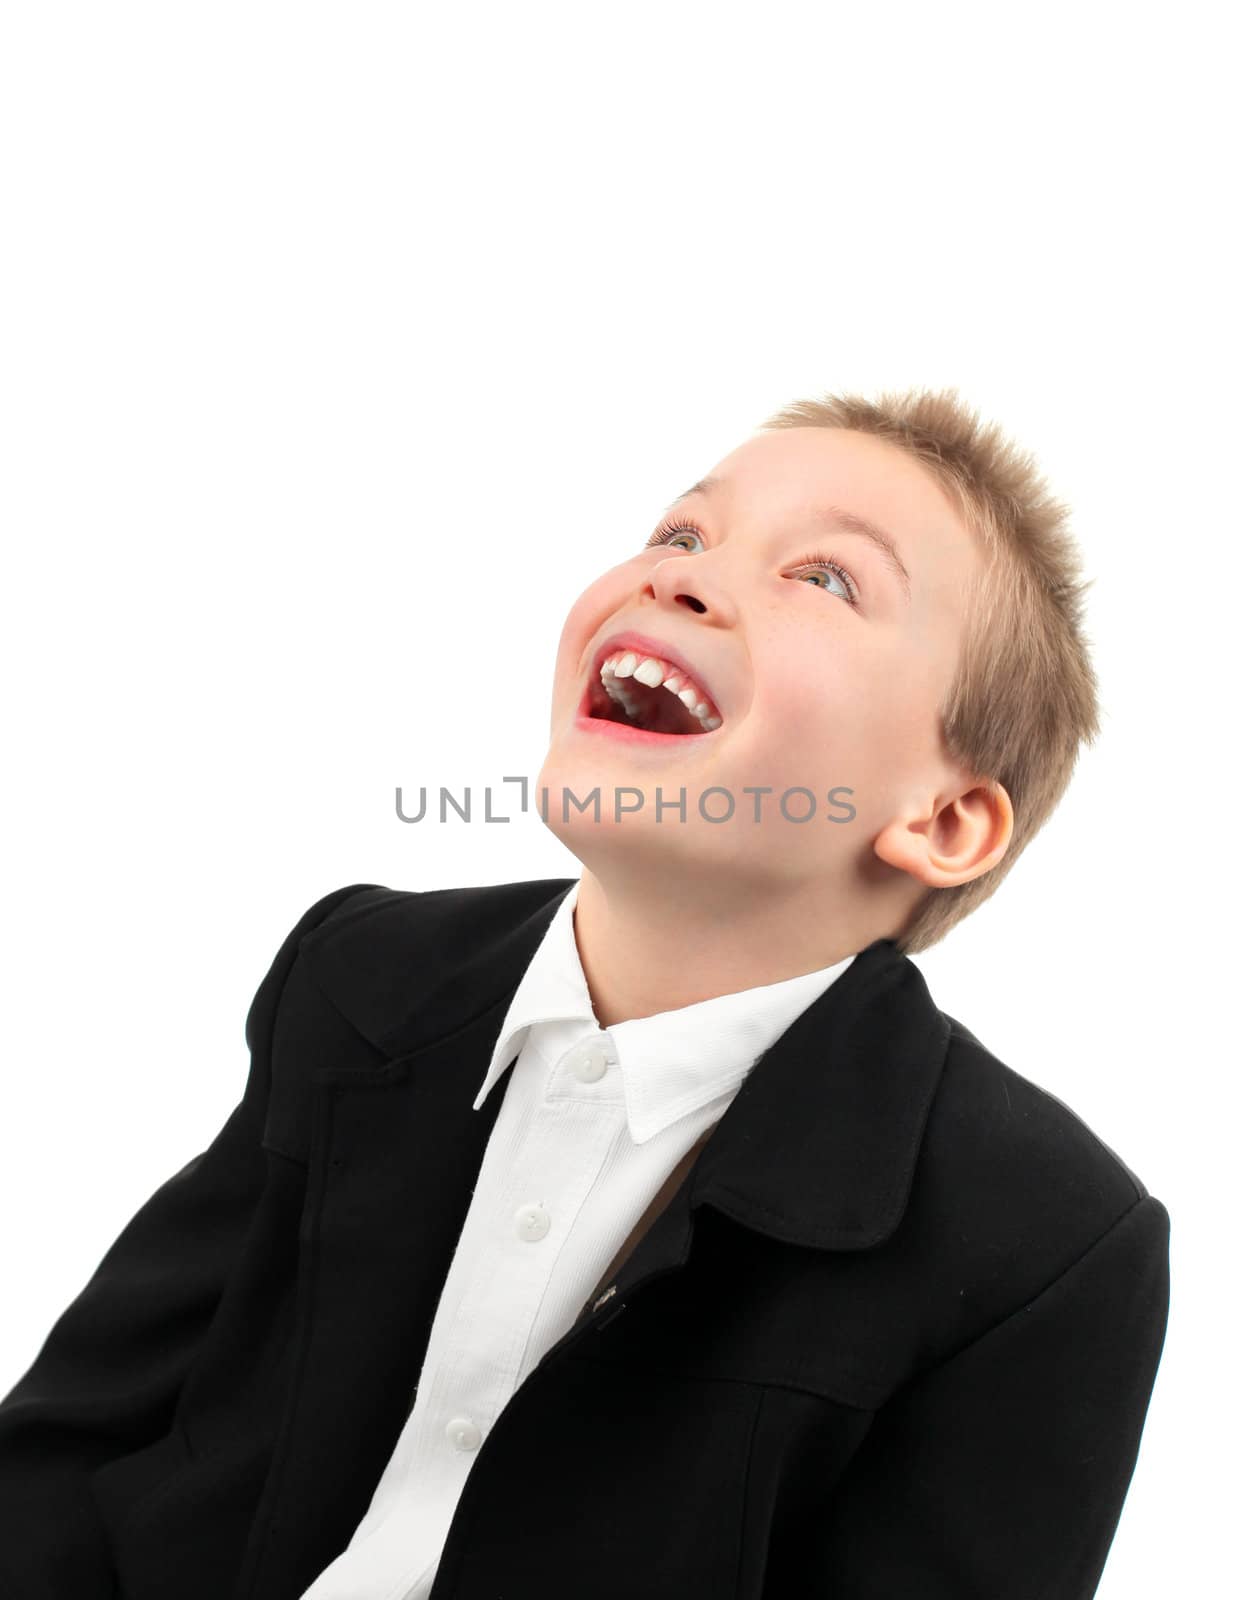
656 944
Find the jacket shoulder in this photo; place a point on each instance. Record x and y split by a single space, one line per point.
1016 1183
1039 1132
368 980
385 959
261 1016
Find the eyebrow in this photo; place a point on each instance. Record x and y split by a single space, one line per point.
835 516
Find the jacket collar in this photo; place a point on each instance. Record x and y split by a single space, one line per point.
818 1147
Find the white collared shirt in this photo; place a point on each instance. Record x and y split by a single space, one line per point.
592 1123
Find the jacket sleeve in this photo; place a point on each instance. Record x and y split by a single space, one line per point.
1001 1474
107 1378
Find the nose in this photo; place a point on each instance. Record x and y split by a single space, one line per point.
673 582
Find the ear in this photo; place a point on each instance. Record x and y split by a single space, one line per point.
952 842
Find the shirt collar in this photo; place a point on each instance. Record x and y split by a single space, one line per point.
672 1063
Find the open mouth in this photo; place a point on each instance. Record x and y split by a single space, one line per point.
649 694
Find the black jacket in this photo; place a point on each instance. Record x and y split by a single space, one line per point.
894 1336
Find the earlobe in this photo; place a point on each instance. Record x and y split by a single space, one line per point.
953 843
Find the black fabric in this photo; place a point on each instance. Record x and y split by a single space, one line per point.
895 1334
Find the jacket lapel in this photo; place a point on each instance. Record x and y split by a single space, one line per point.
819 1146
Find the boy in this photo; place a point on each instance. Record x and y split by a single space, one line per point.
654 1232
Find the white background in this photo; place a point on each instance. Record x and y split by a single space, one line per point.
342 346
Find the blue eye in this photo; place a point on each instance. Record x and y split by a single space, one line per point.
807 565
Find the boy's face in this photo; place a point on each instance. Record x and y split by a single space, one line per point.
814 692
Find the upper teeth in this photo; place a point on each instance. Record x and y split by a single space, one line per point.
653 671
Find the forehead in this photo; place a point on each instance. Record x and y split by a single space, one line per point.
790 470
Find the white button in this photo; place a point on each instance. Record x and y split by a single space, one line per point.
463 1434
589 1063
532 1222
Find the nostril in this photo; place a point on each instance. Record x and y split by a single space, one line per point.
690 599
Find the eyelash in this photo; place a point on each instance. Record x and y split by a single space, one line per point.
816 559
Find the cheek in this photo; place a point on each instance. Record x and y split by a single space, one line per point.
865 716
798 726
818 684
585 617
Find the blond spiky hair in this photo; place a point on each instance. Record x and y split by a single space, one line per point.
1024 697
